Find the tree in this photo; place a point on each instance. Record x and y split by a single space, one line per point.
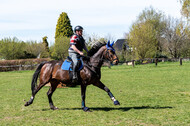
142 39
145 34
60 49
123 53
94 38
12 48
176 37
185 51
156 19
34 49
45 42
62 36
185 10
63 27
45 53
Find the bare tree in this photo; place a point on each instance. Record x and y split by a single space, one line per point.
175 35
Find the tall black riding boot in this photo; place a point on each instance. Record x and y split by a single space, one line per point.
75 79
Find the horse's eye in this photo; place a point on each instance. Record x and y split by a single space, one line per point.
112 51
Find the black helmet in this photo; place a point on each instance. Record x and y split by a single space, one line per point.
78 28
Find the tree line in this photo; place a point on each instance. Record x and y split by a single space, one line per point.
13 48
155 35
152 35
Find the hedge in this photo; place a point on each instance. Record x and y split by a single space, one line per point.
21 64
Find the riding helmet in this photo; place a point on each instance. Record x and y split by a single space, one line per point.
78 28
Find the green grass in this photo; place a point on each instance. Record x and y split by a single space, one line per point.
148 95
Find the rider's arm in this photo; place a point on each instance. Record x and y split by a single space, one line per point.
85 48
75 49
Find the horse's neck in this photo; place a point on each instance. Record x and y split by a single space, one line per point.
96 59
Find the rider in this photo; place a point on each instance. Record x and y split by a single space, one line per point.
77 44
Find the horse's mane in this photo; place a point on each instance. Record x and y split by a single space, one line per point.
95 48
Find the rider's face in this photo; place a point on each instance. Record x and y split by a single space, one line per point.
79 32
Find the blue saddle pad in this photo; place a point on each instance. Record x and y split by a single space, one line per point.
67 65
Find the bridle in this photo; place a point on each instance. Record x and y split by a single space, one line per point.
100 61
108 55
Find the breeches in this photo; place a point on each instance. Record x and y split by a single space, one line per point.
75 60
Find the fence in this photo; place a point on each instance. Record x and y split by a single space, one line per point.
30 64
157 60
23 64
18 67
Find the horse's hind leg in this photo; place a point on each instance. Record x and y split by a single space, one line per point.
53 87
43 81
34 93
44 72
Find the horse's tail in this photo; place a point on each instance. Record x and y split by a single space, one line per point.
35 77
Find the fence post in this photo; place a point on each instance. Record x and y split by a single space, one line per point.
20 67
133 63
181 61
156 61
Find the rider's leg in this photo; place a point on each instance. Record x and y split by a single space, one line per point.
75 62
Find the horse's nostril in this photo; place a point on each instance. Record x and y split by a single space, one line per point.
115 62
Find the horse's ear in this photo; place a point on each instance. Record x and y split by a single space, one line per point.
108 44
112 44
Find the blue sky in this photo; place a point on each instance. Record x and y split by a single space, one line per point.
33 19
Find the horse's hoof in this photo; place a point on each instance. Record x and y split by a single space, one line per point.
26 104
86 109
116 102
54 108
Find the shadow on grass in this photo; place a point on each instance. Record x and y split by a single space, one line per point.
128 108
115 108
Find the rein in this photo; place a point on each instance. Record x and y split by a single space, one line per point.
86 65
89 66
99 61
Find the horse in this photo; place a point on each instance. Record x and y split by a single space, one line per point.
51 72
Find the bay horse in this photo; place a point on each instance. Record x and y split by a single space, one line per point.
51 72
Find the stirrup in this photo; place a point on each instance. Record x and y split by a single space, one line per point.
74 81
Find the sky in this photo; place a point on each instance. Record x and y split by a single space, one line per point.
30 20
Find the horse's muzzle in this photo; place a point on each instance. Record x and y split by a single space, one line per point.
115 62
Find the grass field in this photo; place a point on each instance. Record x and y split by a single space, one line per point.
148 95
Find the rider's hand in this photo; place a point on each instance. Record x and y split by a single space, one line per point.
81 53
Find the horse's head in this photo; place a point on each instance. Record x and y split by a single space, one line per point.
109 53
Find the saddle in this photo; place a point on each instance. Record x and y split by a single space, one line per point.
68 64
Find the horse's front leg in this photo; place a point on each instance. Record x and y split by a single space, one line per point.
103 87
83 96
